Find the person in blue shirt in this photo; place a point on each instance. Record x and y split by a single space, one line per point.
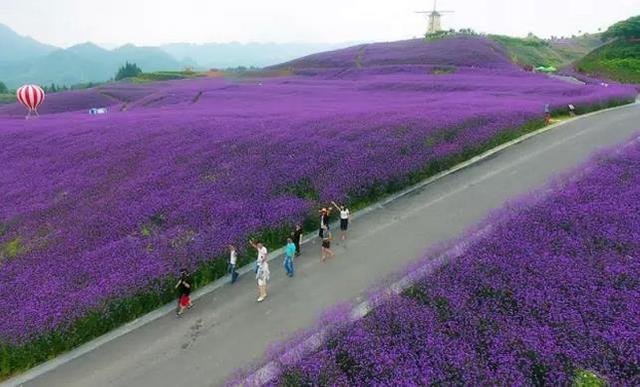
289 252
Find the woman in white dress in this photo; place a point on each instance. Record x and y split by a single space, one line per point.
262 272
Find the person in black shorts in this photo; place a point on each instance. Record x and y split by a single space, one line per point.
324 220
326 244
344 220
296 236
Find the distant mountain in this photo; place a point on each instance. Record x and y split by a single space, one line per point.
14 47
149 58
83 63
25 60
225 55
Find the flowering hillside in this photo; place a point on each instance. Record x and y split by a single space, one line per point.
462 51
100 209
549 295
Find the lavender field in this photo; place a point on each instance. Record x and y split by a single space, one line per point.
100 209
549 296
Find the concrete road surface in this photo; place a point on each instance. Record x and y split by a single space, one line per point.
228 329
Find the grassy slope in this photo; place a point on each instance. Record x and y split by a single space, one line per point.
164 76
618 60
7 98
537 52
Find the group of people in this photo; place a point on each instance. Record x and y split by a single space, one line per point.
547 112
292 249
325 232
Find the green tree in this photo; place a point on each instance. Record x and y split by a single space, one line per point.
626 29
129 70
3 88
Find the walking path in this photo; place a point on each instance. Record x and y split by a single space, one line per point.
227 329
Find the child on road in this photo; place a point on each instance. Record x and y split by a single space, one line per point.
184 288
233 261
547 114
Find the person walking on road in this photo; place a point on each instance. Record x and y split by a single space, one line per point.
184 287
296 236
233 262
344 220
262 272
324 220
323 213
289 252
326 244
547 114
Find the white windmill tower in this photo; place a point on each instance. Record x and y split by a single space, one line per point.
435 16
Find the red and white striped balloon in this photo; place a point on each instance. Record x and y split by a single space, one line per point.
31 96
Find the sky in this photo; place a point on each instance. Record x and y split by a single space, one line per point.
152 22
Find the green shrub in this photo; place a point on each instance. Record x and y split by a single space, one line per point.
626 29
129 70
588 379
7 98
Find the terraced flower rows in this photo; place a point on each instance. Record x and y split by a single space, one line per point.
97 209
549 296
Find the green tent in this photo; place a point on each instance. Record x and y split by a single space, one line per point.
549 69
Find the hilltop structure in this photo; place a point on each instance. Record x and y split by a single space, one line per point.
435 16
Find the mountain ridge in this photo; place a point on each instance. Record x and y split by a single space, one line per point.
25 60
18 47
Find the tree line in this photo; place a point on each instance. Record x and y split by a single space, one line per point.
627 29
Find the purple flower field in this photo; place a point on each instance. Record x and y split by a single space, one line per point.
99 208
551 290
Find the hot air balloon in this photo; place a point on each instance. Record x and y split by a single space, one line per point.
31 96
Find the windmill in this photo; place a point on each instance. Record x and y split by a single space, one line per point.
434 19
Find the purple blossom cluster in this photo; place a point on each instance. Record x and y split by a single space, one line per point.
98 208
551 290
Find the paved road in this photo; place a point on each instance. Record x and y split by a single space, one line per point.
227 329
